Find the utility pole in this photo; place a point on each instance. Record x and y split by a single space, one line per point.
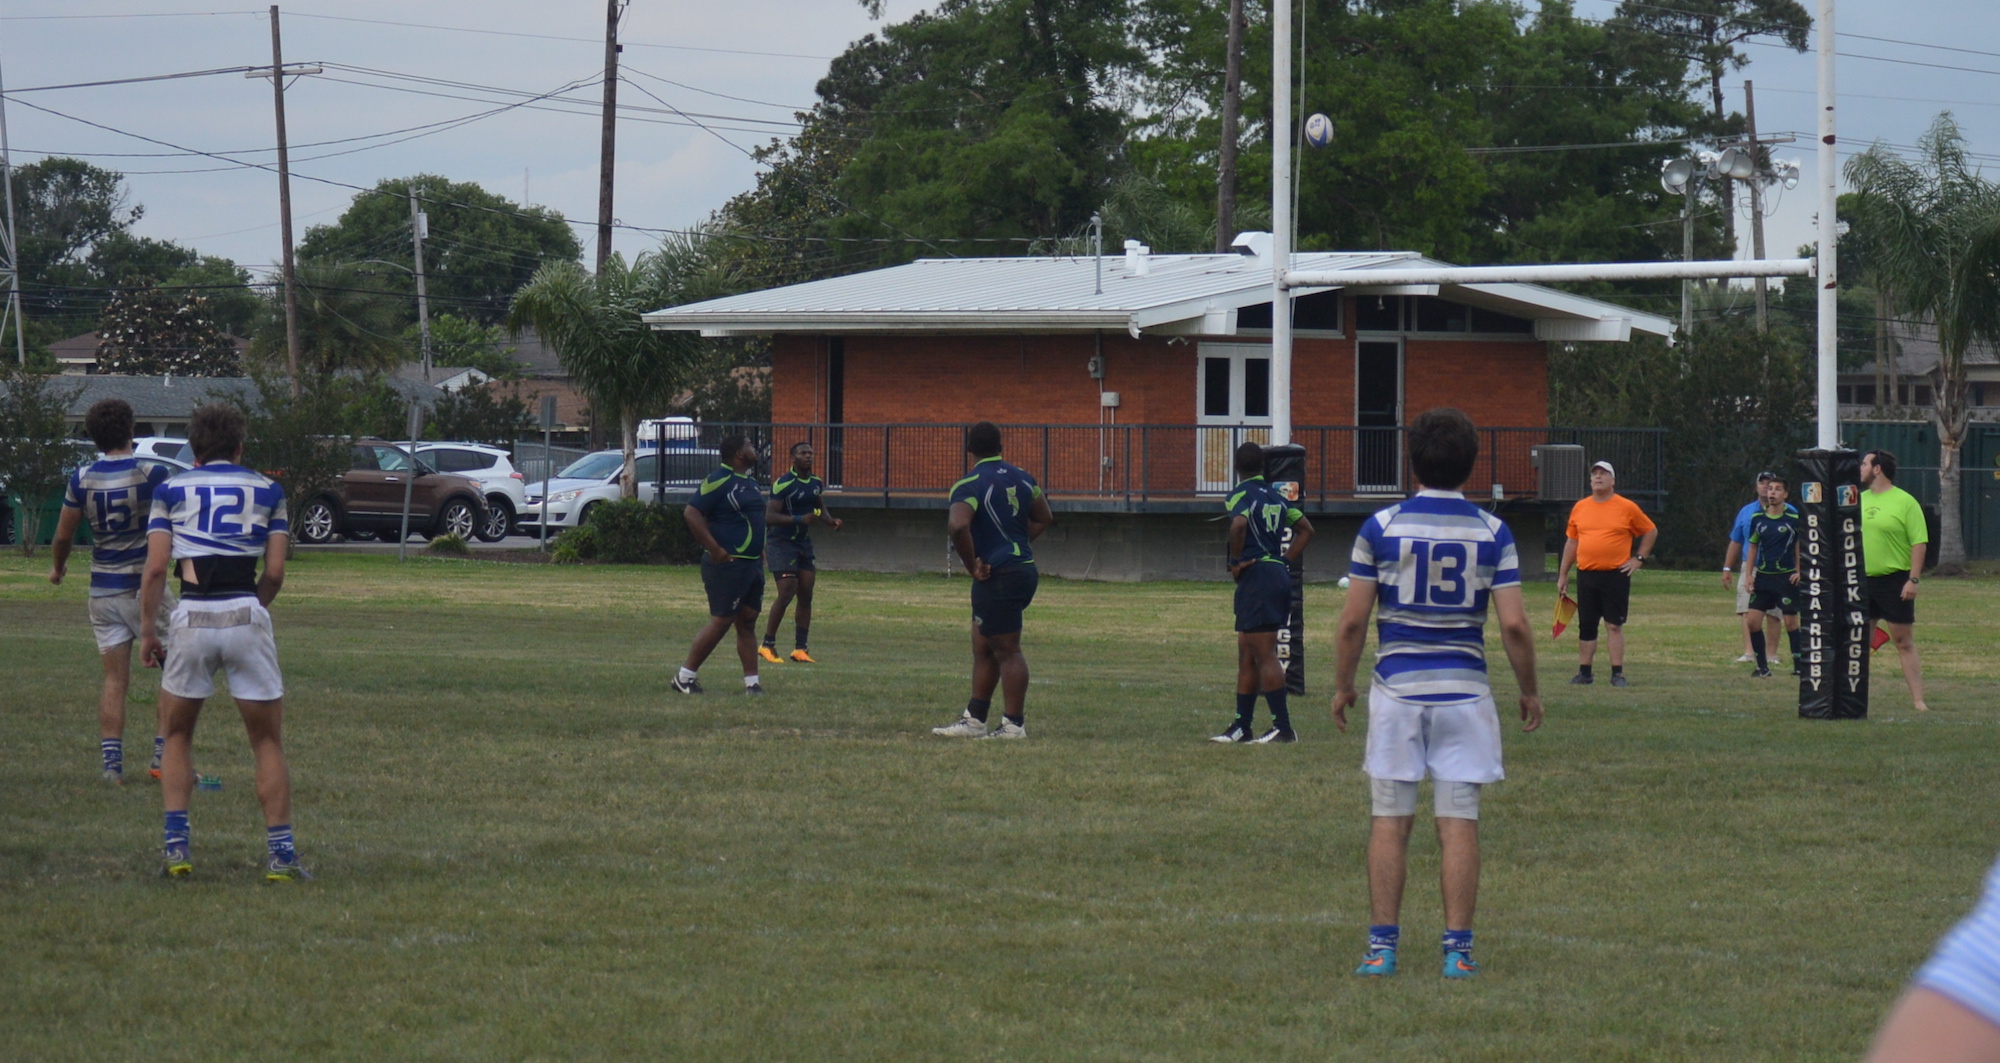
419 228
1756 184
612 9
13 247
285 206
1232 111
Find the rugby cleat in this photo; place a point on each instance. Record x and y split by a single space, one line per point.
1581 680
801 656
114 777
1761 673
692 686
754 690
1277 736
965 727
176 863
1746 658
1379 963
1007 729
282 870
770 655
1236 733
1620 681
1460 965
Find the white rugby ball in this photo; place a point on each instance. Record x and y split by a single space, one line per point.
1319 130
1343 583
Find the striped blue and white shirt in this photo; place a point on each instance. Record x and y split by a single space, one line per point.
115 496
1966 965
221 516
1435 560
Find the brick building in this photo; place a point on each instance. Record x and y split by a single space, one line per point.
1125 384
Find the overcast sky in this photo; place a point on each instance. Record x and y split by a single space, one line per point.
767 53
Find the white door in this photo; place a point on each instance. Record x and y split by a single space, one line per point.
1232 405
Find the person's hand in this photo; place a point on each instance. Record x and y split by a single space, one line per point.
1728 578
1630 566
1562 585
835 523
1795 577
56 573
1531 712
1909 590
151 653
1236 570
981 571
1341 700
718 555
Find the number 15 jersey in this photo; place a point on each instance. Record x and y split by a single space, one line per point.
220 516
1435 560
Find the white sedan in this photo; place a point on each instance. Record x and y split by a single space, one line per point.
592 480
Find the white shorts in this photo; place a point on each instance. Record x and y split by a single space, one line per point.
1456 742
1743 580
114 619
232 635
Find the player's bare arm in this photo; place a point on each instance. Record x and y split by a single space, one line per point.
698 527
1750 556
1562 568
59 547
776 517
273 577
1349 638
1917 551
152 588
1729 563
1798 560
1645 550
1519 640
958 525
1302 533
1239 529
1040 517
1929 1027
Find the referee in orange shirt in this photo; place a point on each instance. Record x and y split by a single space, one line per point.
1601 530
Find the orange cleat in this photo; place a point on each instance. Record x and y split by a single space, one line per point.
765 652
803 657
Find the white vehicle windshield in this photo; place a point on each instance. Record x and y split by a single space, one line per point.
593 467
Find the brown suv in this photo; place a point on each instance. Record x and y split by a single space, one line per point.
368 498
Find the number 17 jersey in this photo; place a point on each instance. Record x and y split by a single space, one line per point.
1435 560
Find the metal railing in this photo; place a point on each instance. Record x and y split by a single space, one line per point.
1138 464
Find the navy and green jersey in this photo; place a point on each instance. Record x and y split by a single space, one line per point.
1775 538
801 498
734 506
115 496
1000 496
1268 514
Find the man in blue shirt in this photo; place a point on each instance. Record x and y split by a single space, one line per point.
727 519
1259 561
1739 537
1772 558
995 514
114 495
797 496
1428 567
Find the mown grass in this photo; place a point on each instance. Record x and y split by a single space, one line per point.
527 848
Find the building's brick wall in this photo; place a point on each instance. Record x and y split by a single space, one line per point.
798 379
1498 383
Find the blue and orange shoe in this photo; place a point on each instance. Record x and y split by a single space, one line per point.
1379 963
1460 965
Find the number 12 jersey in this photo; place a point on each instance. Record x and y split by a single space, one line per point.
220 516
1435 560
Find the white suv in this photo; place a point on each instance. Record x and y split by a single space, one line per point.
592 480
493 469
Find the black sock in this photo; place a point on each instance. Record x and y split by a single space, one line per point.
1246 710
770 642
1757 647
1583 669
1617 669
799 638
1793 636
977 707
1280 717
1019 719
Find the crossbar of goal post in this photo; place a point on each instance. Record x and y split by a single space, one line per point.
1553 274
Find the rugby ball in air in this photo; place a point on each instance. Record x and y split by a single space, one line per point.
1319 130
1343 583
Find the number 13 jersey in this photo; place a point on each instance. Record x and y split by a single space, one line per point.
1434 559
220 516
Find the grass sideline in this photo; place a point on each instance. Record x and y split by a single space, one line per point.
527 848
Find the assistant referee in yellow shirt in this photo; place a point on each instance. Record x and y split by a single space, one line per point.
1893 540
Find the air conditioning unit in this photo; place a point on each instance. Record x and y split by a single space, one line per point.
1560 472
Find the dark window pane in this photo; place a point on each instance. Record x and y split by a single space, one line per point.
1257 317
1378 313
1491 321
1215 387
1438 315
648 469
1319 312
363 458
1256 387
479 460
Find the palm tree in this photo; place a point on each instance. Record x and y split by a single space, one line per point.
1935 228
347 321
592 322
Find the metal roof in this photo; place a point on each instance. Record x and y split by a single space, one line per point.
1172 294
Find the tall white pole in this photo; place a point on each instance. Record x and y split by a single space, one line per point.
1281 220
1829 239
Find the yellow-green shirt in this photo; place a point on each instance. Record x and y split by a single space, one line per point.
1891 523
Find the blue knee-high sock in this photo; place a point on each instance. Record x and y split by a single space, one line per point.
1384 937
279 839
113 750
177 829
1457 941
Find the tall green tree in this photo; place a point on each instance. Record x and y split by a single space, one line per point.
148 330
36 455
481 248
593 323
345 323
1934 227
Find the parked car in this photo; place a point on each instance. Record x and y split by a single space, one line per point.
592 480
493 468
368 497
164 447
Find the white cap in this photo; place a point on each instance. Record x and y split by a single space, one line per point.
1606 466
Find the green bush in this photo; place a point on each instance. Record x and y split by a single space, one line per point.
631 532
575 546
450 544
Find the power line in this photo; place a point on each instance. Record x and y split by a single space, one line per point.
553 37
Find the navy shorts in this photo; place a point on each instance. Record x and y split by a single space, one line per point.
788 557
1774 592
999 600
1264 597
733 585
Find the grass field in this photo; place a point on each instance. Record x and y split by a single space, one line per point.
527 848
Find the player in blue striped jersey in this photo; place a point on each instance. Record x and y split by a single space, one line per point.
209 526
1259 561
113 496
1428 568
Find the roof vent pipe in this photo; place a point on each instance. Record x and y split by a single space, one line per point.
1137 260
1253 245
